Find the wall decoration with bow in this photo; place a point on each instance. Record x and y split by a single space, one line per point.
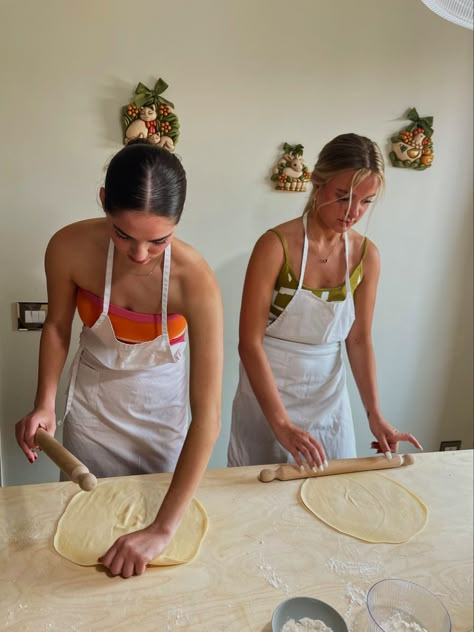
151 116
412 147
291 172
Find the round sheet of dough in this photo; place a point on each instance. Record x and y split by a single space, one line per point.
93 521
366 505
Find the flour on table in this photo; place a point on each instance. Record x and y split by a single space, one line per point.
397 624
357 600
271 575
349 567
305 625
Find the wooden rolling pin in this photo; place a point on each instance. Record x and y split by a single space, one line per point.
67 462
290 472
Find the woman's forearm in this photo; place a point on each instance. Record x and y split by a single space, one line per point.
362 361
54 346
260 375
189 471
205 333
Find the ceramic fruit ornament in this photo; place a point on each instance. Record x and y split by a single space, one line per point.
151 116
291 172
412 147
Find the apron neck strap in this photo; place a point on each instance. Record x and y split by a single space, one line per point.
346 251
108 278
164 290
305 251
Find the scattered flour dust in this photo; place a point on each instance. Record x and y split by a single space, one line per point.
362 569
397 624
271 575
357 598
305 625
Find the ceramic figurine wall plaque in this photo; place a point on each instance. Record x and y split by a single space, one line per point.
291 172
151 116
412 147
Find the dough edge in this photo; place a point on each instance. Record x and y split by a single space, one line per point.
160 560
347 531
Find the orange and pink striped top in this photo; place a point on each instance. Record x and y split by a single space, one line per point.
130 327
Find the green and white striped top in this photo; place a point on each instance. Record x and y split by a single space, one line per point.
287 283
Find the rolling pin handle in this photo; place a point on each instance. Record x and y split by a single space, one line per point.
408 459
87 482
267 475
67 462
81 475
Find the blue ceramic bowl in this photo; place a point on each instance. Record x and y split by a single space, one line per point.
300 607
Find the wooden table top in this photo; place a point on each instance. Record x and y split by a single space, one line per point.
262 547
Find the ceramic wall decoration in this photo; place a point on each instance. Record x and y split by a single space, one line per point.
151 116
412 147
291 172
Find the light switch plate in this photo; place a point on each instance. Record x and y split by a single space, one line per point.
31 316
448 446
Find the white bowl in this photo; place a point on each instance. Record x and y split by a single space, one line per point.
299 607
392 598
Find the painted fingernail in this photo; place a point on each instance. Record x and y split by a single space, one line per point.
321 468
314 469
388 455
421 447
325 463
301 468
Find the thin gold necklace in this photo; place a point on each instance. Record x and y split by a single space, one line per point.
325 259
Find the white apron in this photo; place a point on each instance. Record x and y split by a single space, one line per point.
304 349
126 410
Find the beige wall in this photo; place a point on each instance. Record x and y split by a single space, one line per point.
246 76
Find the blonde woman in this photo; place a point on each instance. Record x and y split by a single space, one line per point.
310 287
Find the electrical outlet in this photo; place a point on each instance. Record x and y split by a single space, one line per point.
31 316
448 446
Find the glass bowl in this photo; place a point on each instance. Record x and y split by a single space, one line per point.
395 600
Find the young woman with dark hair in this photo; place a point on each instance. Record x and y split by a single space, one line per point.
138 291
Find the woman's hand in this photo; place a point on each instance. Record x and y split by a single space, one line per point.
130 554
388 437
25 430
302 446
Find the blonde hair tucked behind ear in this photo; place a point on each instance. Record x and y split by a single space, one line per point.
346 152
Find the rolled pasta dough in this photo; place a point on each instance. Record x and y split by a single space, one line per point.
93 521
366 505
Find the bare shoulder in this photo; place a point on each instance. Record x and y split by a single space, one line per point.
270 244
267 256
190 268
78 248
358 244
77 236
371 260
185 258
372 256
292 233
291 229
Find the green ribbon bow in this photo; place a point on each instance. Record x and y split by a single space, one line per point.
296 150
145 96
426 123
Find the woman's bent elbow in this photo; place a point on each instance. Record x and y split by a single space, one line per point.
247 351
